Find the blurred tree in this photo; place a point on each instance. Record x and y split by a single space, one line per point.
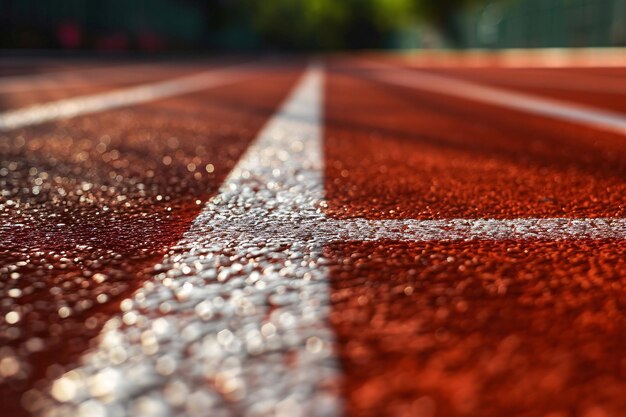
442 14
373 21
328 24
308 24
323 24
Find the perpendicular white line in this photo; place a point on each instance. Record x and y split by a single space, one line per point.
82 105
485 229
547 107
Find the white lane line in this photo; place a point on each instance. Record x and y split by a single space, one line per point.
82 105
335 230
557 109
76 77
235 321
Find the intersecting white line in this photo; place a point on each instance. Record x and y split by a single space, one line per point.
77 106
529 103
235 321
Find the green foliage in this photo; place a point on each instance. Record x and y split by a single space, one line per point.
294 23
389 14
328 24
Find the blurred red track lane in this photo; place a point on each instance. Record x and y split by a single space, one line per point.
114 191
481 328
27 90
20 66
12 101
403 153
614 72
589 88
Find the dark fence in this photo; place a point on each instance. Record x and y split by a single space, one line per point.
544 23
111 24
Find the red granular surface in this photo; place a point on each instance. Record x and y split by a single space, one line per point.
476 328
481 328
23 66
90 204
461 328
615 72
394 152
13 101
589 88
45 87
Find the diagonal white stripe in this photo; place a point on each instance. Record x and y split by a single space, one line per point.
235 322
75 77
81 105
557 109
239 319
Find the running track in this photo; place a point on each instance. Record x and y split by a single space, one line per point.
353 236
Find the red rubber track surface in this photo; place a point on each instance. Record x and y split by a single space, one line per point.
21 66
481 328
591 88
33 66
76 81
608 72
403 153
478 328
91 204
12 101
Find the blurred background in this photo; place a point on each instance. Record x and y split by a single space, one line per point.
291 25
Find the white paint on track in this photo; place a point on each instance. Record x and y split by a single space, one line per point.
235 321
77 106
547 107
77 77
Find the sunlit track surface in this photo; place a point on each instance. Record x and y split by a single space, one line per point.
113 191
76 106
377 250
486 327
603 119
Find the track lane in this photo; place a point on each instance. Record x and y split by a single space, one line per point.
405 153
483 327
271 198
562 83
533 104
28 90
468 328
423 308
100 198
20 66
